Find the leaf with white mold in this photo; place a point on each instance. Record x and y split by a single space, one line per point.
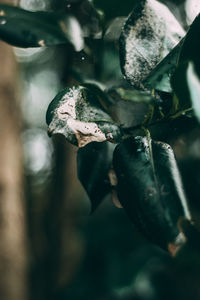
77 114
149 34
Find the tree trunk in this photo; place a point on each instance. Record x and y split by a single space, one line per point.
12 213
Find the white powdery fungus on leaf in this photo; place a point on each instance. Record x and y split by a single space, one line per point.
76 114
86 132
192 9
149 34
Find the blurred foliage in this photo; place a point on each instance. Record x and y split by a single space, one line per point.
103 256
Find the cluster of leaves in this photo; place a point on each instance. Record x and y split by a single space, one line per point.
160 61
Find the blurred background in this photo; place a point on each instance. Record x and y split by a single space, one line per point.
50 245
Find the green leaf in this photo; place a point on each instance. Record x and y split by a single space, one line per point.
185 79
150 33
77 114
187 49
93 165
133 108
90 18
180 87
130 107
160 77
22 28
150 189
115 8
193 83
191 47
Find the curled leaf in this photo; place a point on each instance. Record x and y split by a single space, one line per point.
149 34
150 189
77 114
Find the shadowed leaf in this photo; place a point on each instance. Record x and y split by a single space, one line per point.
191 47
193 83
93 164
132 108
150 189
185 80
22 28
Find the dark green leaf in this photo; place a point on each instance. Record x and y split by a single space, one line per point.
149 34
193 84
185 80
115 8
89 17
77 114
130 108
94 162
22 28
191 46
180 87
114 28
150 189
159 78
133 108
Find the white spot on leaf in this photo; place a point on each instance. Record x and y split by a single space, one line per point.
41 43
192 9
86 132
147 38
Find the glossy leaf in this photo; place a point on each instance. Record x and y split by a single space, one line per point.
22 28
77 114
150 189
150 33
93 165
